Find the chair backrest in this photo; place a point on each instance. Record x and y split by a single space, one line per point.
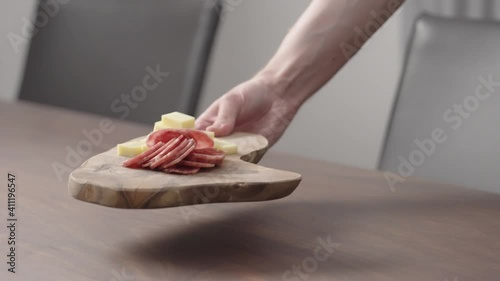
477 9
444 123
95 56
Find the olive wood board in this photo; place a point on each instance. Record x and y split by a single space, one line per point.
103 180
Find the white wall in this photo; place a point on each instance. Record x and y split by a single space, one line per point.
350 113
12 62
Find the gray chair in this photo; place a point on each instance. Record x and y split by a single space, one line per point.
91 52
447 63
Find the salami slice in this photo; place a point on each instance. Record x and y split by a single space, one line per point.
135 162
178 151
162 136
196 164
165 135
219 162
168 157
181 154
209 158
193 158
202 139
182 170
173 143
147 161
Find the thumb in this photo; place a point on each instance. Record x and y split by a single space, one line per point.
229 110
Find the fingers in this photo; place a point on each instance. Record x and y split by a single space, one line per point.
228 111
208 117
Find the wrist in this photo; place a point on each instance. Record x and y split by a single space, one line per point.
282 87
273 81
279 87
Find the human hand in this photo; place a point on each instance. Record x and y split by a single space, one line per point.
255 106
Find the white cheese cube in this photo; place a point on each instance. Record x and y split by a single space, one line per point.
226 146
210 134
160 126
131 149
178 120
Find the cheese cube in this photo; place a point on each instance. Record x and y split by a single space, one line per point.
210 134
131 149
226 146
178 120
160 126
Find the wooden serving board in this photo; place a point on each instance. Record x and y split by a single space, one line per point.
102 180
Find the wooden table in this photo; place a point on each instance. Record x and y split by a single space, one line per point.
340 224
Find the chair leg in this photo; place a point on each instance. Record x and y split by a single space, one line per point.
489 9
460 9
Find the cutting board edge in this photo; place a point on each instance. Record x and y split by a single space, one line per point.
281 189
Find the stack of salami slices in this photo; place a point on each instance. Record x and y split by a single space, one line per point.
178 151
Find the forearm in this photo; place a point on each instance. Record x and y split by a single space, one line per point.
324 38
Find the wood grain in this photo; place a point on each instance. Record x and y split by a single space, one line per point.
420 231
103 180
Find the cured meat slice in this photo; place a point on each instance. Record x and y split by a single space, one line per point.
148 160
207 157
162 136
196 164
193 158
171 155
181 154
173 143
178 151
202 139
135 162
165 135
183 170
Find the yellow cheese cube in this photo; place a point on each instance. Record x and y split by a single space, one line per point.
226 146
210 134
131 149
160 126
178 120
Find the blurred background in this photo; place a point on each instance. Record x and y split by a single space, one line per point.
207 47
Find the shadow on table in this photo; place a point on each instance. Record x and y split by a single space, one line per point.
271 239
398 233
